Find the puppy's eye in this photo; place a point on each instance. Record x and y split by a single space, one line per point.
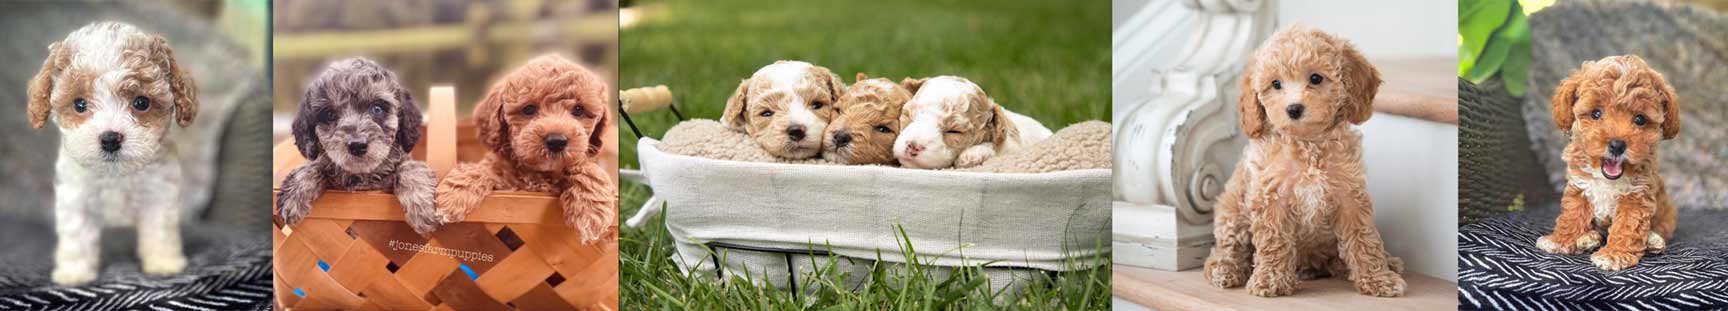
1640 120
955 132
78 104
883 129
379 108
1277 85
530 110
578 111
1315 79
326 116
766 113
1596 114
816 105
140 103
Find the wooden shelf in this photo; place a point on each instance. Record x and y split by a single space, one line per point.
1187 290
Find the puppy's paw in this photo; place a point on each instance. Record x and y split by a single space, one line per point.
1268 284
423 223
1395 264
1552 244
1384 284
1590 240
164 264
974 156
1224 274
65 275
1614 261
1655 244
592 228
292 211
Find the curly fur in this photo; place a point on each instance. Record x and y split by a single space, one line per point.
1297 205
547 100
785 107
357 125
1600 103
868 122
113 91
950 122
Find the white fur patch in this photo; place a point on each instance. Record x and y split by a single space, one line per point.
1312 196
1604 195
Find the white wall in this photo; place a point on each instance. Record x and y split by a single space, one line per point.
1382 28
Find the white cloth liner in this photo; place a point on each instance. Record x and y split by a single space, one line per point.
1057 221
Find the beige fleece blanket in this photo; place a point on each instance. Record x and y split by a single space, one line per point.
1084 145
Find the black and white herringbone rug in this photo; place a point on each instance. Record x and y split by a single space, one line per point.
226 269
1500 268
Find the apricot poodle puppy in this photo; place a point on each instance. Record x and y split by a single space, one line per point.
1297 206
543 124
1616 110
868 123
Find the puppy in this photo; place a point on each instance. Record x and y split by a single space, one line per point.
356 126
950 122
543 123
114 91
1297 205
868 122
785 107
1615 109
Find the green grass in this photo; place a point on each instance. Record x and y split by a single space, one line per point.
1045 59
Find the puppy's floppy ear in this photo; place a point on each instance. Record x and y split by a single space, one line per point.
1001 129
407 119
737 106
179 82
860 78
836 88
911 84
489 122
305 130
1253 114
1670 111
1565 96
42 86
1361 82
595 142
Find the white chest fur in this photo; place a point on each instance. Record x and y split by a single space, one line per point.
1604 196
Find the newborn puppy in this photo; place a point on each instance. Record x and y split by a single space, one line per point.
356 127
950 122
1297 206
1616 109
543 124
114 90
869 121
785 107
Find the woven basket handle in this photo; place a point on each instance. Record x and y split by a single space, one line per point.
441 129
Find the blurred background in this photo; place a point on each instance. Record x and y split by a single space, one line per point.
465 43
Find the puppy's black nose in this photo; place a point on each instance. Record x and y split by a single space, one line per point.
357 147
557 142
1616 147
795 132
111 141
841 139
1295 111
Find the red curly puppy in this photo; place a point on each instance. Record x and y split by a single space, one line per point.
1616 109
1297 206
543 124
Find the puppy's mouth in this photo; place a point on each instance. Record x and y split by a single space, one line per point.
1613 166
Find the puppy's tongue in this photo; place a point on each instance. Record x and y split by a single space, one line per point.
1612 167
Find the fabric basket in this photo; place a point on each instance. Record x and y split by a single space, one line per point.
353 251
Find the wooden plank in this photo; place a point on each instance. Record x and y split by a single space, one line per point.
514 207
598 27
1188 290
1423 88
515 275
389 294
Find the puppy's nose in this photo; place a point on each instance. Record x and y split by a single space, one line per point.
1616 147
1295 111
356 147
557 142
111 141
795 132
841 139
914 149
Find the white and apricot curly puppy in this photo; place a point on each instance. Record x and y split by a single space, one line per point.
1297 206
114 91
785 107
950 122
1616 110
868 123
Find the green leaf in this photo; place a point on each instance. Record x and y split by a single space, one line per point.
1489 64
1515 72
1466 60
1477 20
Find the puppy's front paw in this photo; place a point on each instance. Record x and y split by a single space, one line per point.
1556 245
1614 261
1224 274
1384 284
292 210
164 264
1655 244
1265 284
66 275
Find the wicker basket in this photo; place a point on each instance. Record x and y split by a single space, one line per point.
353 251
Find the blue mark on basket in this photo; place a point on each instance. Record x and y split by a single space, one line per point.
470 272
322 265
297 291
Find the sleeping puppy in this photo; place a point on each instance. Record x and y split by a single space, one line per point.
950 122
785 107
1616 111
868 123
356 127
113 91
